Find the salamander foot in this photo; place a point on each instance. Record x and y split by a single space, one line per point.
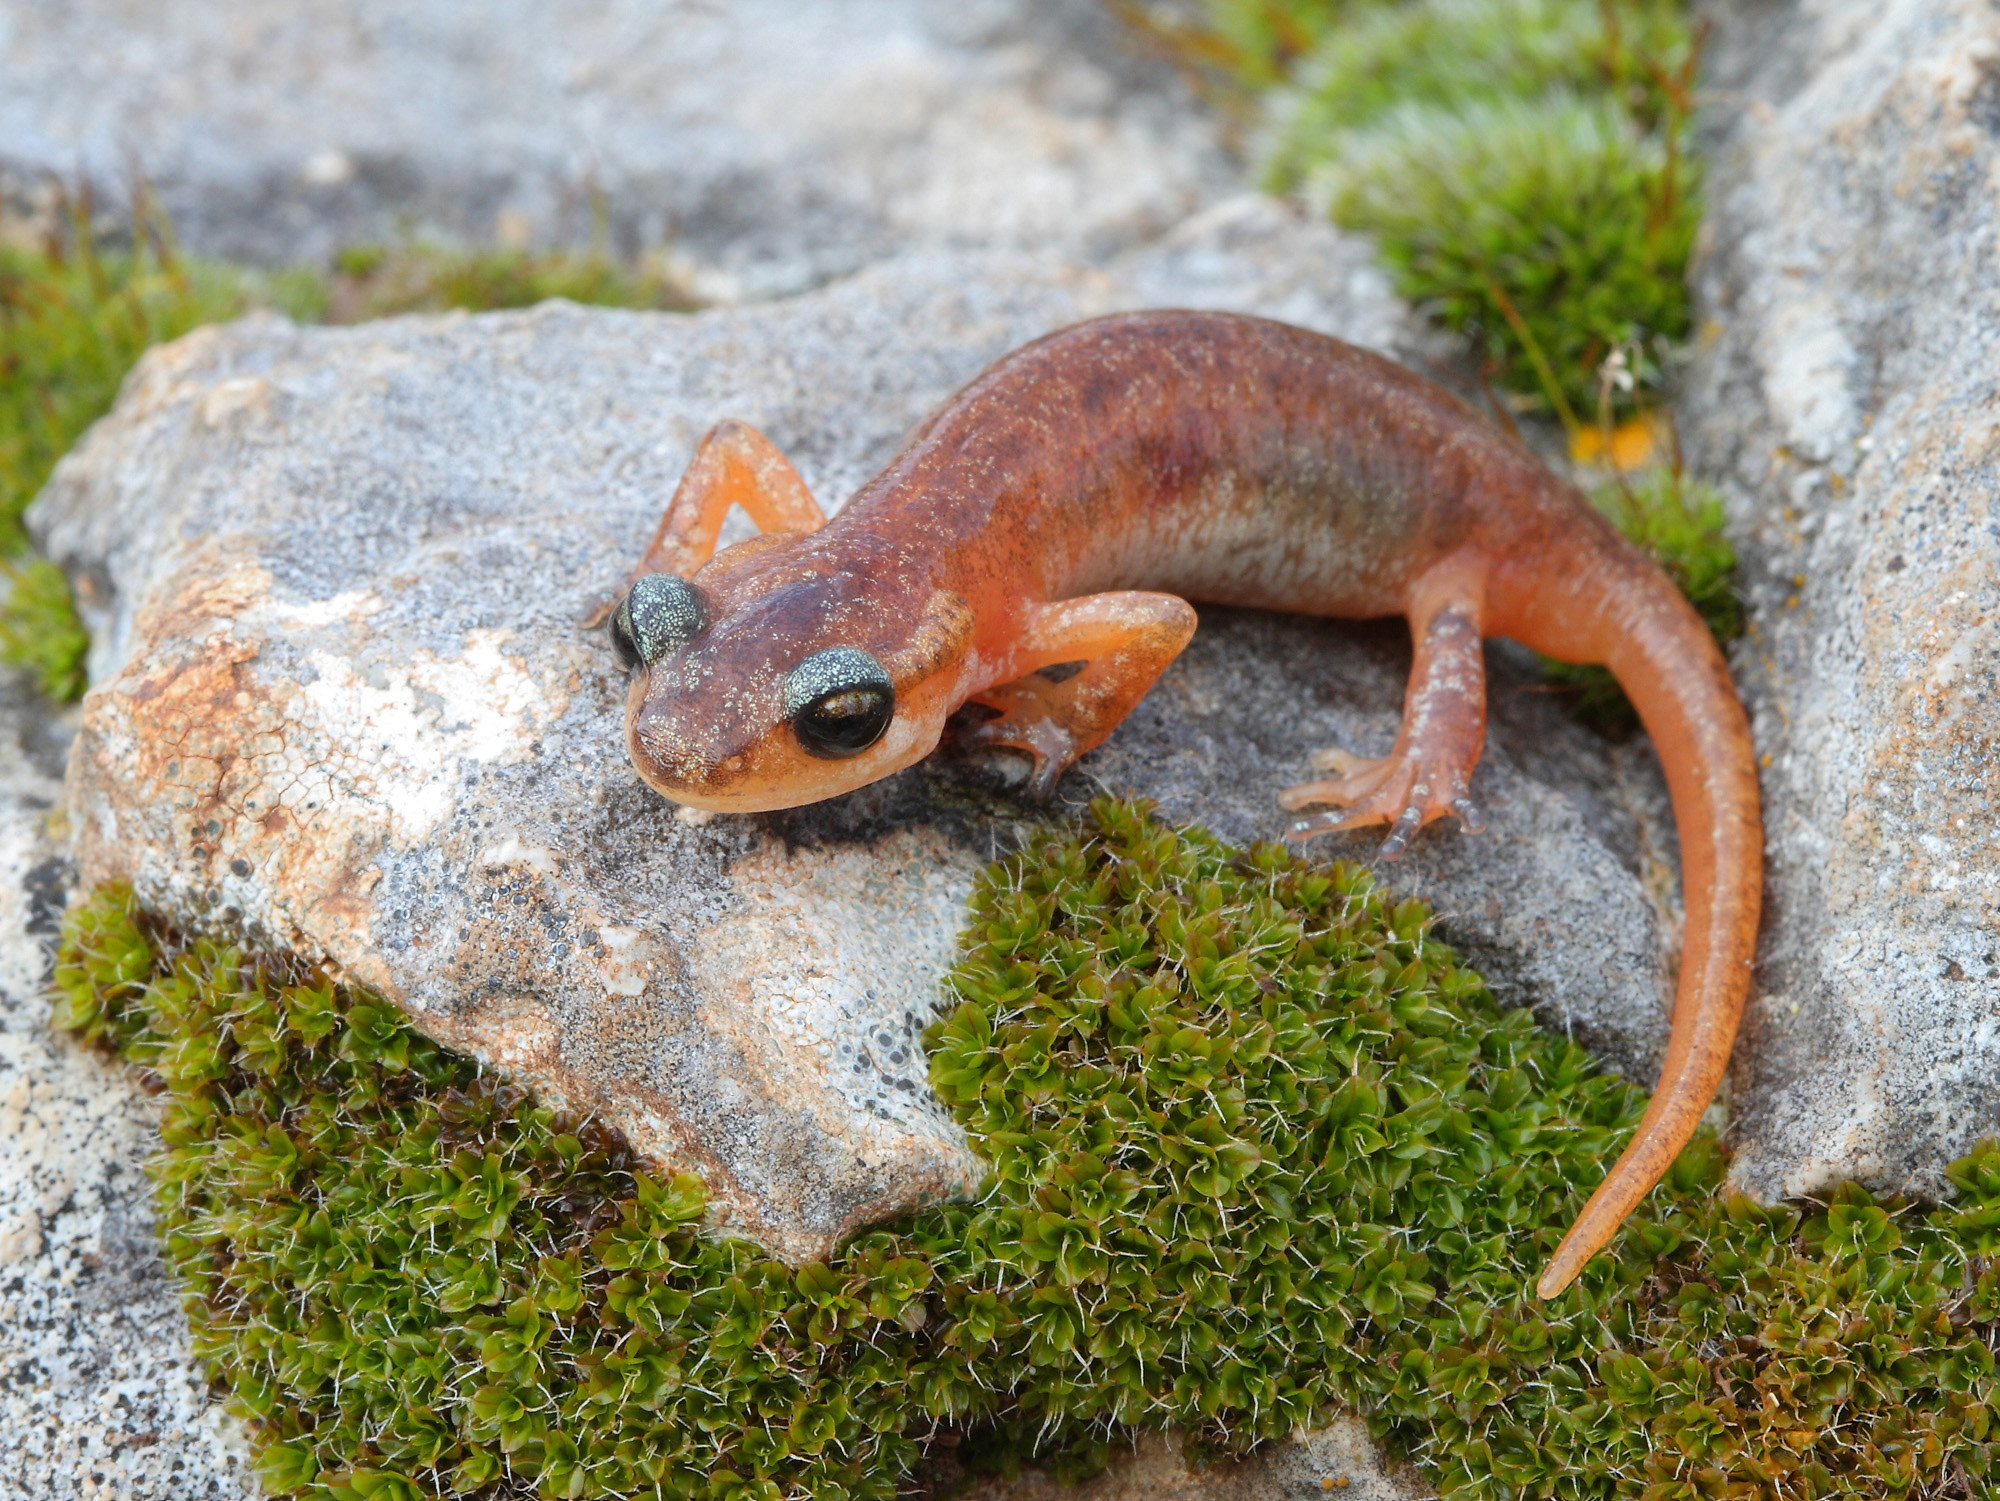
1031 724
1426 772
1397 789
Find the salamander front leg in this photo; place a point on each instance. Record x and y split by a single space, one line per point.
1124 640
735 465
1427 772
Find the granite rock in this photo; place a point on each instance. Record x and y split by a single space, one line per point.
770 144
1846 392
101 1396
1338 1460
343 703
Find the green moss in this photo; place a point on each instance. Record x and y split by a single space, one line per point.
1237 46
74 318
1521 164
1552 232
376 281
1259 1147
1448 54
1262 40
39 629
1679 521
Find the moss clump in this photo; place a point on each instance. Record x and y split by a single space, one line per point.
1520 163
1550 232
1259 1147
1238 45
39 629
74 318
376 281
1679 521
1447 54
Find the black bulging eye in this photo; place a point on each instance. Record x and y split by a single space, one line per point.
660 614
845 724
840 702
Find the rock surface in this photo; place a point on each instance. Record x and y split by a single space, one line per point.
100 1396
771 144
1338 1460
333 578
1847 392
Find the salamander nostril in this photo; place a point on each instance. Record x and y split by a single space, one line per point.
661 613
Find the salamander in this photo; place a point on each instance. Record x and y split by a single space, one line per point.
1065 507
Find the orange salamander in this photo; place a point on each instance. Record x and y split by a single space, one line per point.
1066 505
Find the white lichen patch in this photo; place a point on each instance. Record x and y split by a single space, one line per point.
298 616
626 969
288 789
395 736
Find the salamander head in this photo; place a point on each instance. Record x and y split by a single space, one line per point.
780 675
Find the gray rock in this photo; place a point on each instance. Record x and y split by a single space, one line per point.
1339 1459
101 1396
1845 392
343 703
770 144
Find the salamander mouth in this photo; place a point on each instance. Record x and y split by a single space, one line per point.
724 789
725 779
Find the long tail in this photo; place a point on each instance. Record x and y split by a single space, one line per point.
1628 615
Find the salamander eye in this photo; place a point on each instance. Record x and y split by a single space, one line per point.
839 702
661 614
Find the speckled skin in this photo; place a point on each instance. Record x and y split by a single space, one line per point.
1066 504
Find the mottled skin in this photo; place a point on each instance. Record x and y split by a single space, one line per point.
1063 508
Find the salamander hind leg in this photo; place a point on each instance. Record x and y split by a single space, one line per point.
1428 771
1124 641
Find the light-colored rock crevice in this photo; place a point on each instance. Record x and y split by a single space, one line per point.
1338 1460
1845 393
